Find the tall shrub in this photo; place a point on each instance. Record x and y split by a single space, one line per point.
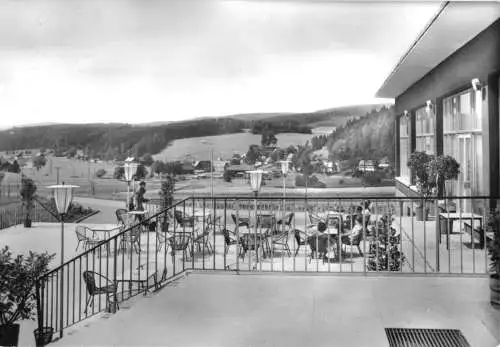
28 190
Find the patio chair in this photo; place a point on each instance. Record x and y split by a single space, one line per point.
267 222
87 241
119 215
242 221
180 242
248 243
110 287
286 221
346 241
300 239
203 240
215 223
281 239
319 247
131 237
230 239
183 220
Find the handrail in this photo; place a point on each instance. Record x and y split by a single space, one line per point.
342 197
111 239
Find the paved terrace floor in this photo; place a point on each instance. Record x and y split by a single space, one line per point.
281 310
417 246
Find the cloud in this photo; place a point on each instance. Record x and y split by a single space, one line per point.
151 60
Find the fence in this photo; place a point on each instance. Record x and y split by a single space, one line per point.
14 214
267 235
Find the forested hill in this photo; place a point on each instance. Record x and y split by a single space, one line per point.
113 141
368 137
116 141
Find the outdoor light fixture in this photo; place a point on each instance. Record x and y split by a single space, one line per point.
476 84
63 194
285 165
429 106
130 168
255 180
255 184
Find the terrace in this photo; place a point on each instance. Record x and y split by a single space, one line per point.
220 234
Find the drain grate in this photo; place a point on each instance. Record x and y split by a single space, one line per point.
399 337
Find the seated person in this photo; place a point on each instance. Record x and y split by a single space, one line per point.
318 241
355 231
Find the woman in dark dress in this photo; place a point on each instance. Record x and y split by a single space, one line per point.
140 200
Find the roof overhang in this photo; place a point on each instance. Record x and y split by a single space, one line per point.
454 24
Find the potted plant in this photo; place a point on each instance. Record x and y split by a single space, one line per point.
18 277
418 164
28 190
443 168
494 252
167 198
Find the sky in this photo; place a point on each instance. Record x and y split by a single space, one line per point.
138 61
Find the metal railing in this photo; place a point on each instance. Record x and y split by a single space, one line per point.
244 234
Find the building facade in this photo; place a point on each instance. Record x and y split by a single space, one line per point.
447 101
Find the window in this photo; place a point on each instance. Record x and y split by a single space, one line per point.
424 129
462 114
404 146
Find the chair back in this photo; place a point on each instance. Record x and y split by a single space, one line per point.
180 241
179 217
119 215
227 236
267 221
242 221
81 232
289 219
89 279
300 237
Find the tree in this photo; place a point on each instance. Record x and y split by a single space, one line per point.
252 154
141 173
14 167
28 190
119 172
100 173
157 167
39 161
147 159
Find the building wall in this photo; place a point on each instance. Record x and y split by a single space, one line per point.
479 58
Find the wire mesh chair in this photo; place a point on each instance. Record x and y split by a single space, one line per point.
180 242
88 242
110 288
131 237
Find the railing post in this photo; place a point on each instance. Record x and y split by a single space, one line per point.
438 234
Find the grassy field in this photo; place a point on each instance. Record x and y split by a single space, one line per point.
198 148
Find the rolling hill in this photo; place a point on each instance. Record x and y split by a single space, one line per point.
116 140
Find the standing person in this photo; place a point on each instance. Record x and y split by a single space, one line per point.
140 200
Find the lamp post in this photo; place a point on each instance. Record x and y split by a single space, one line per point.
285 165
63 194
255 184
130 169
